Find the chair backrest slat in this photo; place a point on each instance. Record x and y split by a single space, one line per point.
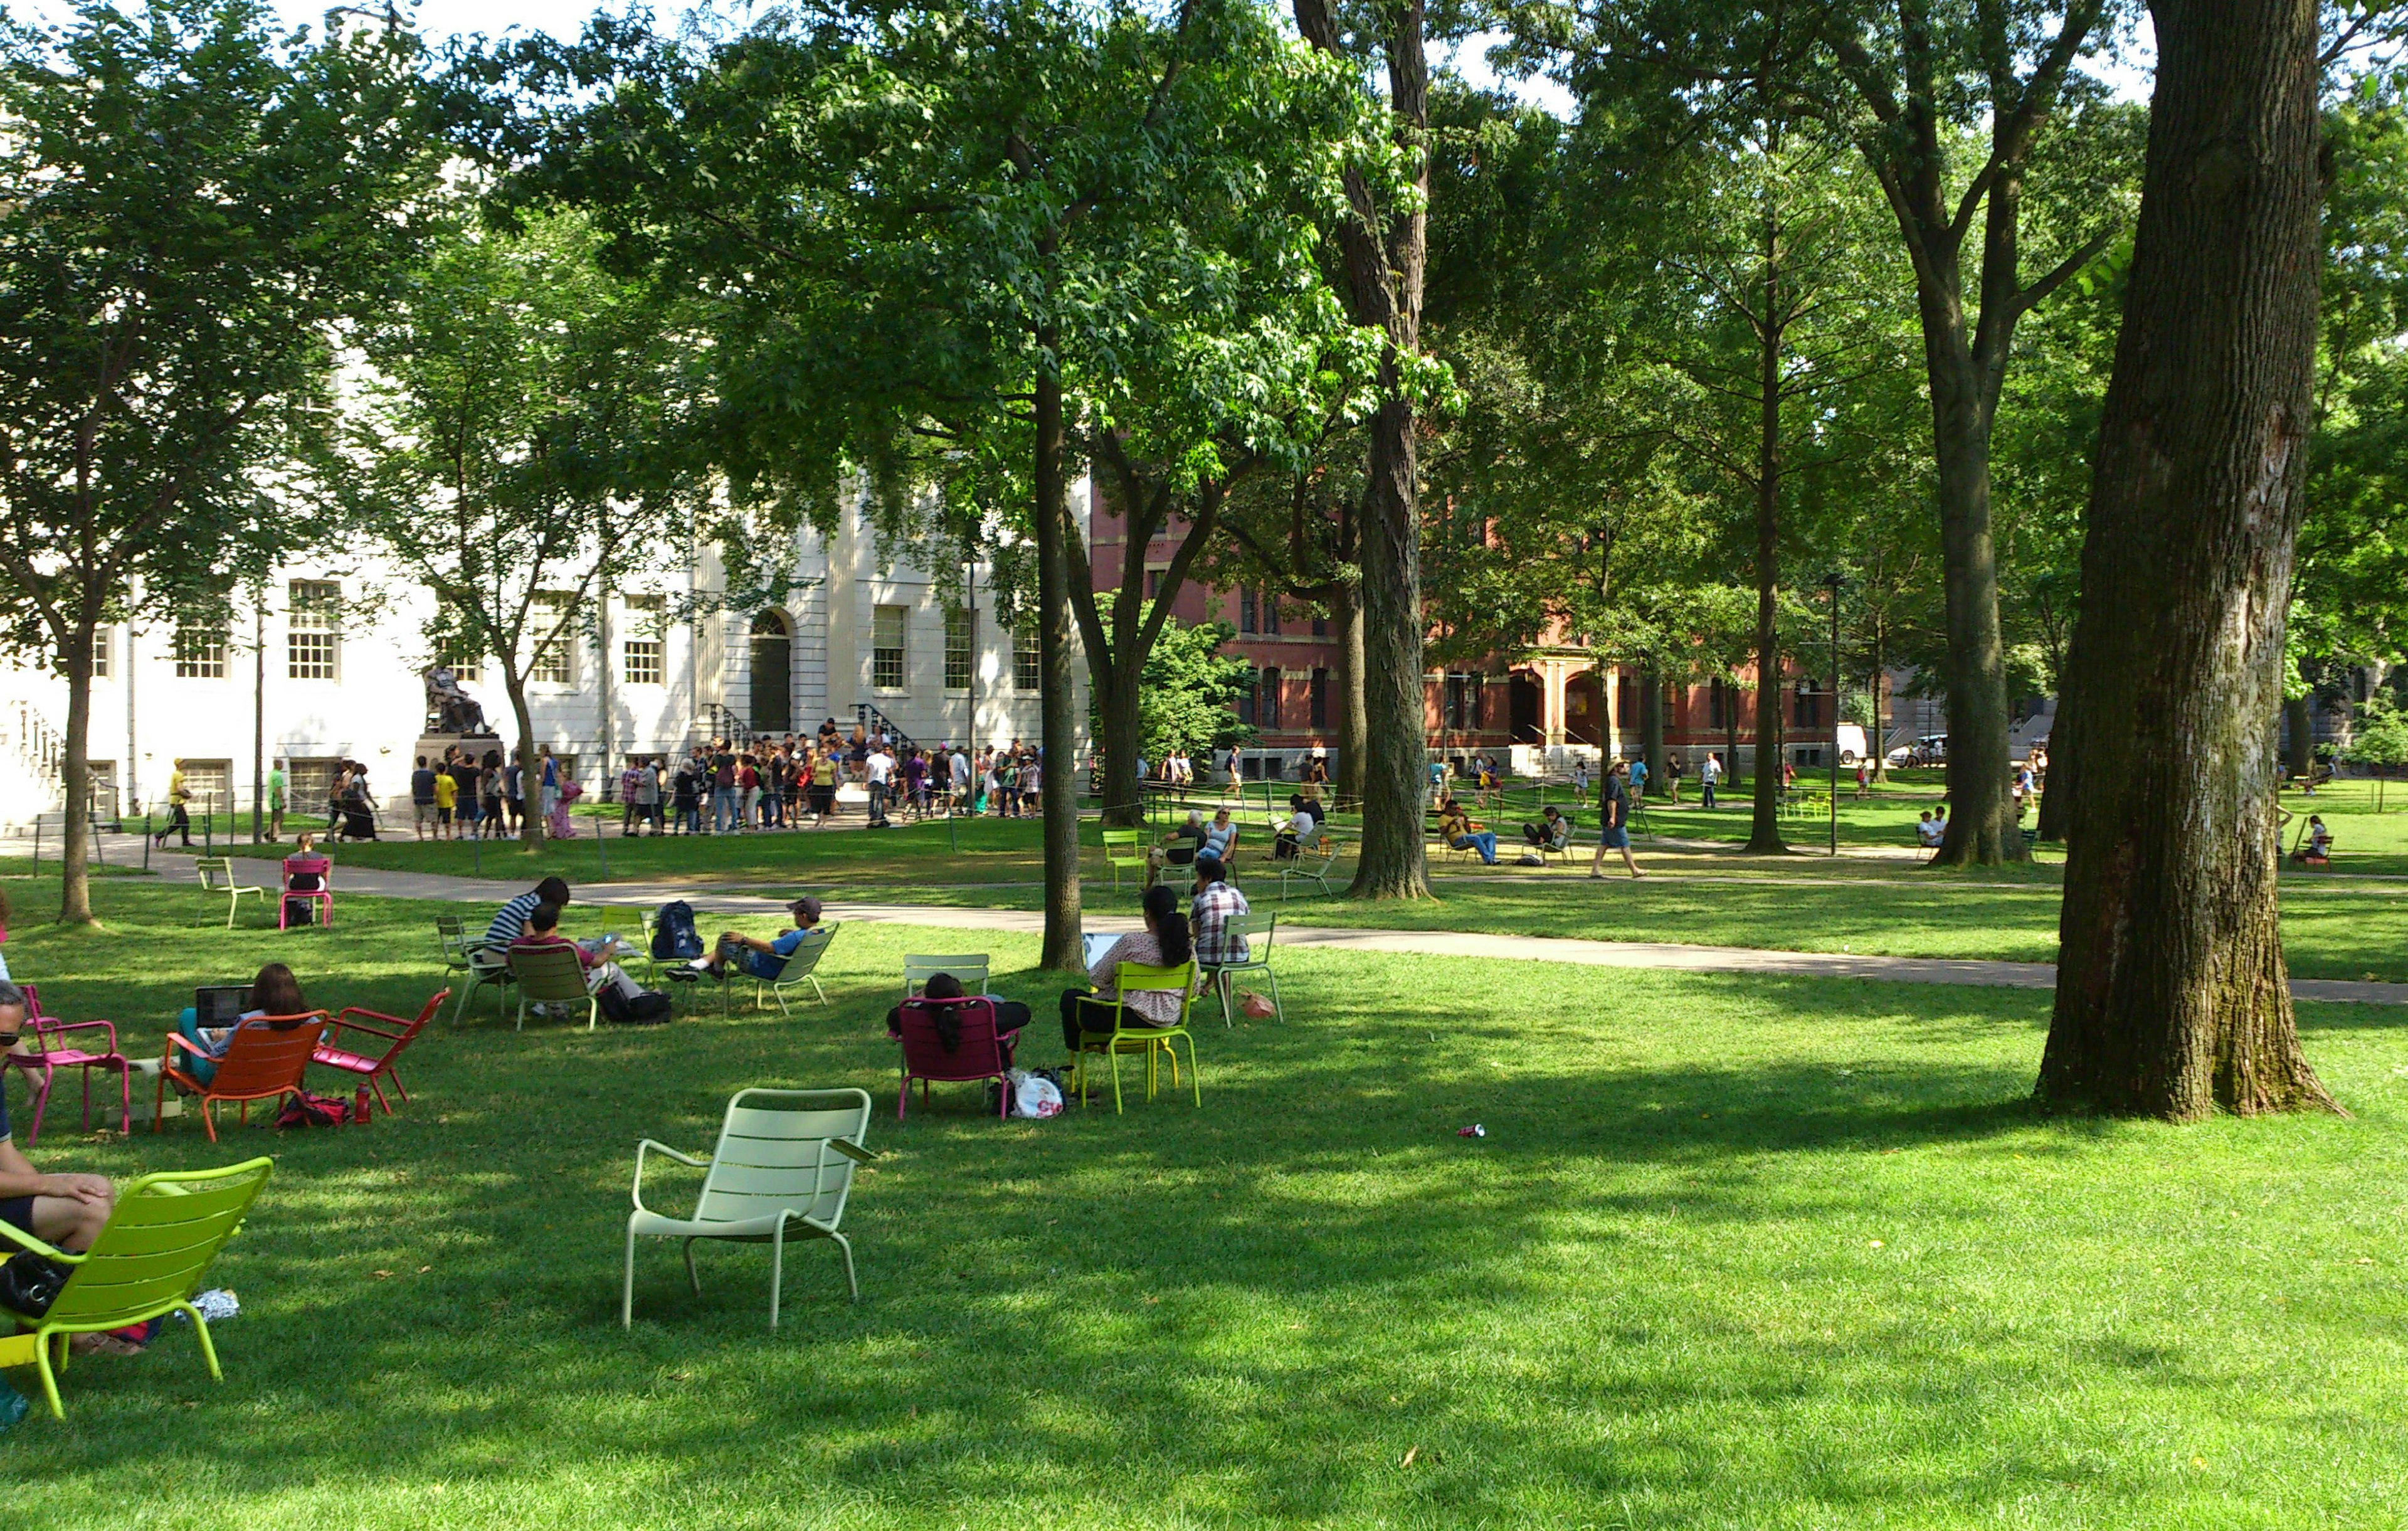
977 1053
969 967
158 1242
807 954
772 1156
549 974
265 1056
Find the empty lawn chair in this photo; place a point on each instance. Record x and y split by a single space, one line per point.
1124 848
784 1168
376 1066
1259 931
217 877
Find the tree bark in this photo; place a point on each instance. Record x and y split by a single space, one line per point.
1059 728
1651 725
1353 723
75 823
1385 251
1981 815
2172 995
1120 719
531 825
2299 737
1764 825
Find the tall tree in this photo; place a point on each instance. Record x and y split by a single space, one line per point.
525 436
189 207
2172 995
1383 238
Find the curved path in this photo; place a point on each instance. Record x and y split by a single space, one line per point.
1662 955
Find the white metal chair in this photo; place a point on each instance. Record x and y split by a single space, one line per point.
217 877
797 971
783 1166
1257 929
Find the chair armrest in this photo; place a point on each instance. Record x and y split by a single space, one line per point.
34 1245
345 1021
644 1145
854 1151
62 1027
177 1040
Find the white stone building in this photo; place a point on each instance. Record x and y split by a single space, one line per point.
331 670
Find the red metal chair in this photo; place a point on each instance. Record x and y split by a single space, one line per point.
377 1069
51 1052
263 1060
324 894
979 1051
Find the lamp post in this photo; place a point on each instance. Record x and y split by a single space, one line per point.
1832 582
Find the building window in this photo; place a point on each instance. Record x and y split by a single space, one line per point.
1320 696
548 625
957 649
1268 715
1320 625
1626 701
886 647
1806 706
313 629
1717 706
308 781
1028 662
200 646
1269 602
641 653
100 653
1154 584
211 784
1246 610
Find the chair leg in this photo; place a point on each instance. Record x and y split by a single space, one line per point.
1116 1079
41 1099
1194 1075
777 1269
209 1348
627 1289
126 1101
845 1246
1221 981
693 1279
49 1380
822 993
398 1088
1278 1012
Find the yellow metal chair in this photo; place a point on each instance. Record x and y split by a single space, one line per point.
1154 1041
1124 848
148 1260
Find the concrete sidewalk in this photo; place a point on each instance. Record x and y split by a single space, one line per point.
1662 955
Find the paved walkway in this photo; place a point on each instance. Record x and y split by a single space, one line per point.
1664 956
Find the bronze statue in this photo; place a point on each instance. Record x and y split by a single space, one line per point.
451 709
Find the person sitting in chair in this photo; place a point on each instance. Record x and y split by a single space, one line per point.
275 994
1464 833
63 1210
1011 1015
511 919
1180 847
2317 851
1553 832
1301 826
1928 830
1164 942
755 957
542 930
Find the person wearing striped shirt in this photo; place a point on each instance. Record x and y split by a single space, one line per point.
510 920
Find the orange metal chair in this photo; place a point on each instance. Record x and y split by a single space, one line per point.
398 1033
263 1060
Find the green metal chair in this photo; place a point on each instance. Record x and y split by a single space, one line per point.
1312 864
470 964
783 1167
1154 1041
148 1260
1257 929
217 877
797 971
970 967
551 975
1124 848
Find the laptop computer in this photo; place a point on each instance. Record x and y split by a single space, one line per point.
221 1004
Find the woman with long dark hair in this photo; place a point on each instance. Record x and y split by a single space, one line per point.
1164 942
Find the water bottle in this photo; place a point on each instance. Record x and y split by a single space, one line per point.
360 1105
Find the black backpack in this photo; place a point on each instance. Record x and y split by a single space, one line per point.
648 1008
673 932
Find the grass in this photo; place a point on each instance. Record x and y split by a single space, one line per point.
1734 1252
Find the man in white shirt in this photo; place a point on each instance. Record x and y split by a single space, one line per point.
880 769
961 773
1709 775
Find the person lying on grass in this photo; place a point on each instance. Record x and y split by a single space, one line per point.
274 995
755 957
1165 942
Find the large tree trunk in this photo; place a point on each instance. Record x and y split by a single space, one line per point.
1354 725
1120 718
75 823
1651 727
531 825
1764 825
1058 731
2172 995
1981 815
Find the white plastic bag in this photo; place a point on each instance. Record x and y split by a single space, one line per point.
1034 1095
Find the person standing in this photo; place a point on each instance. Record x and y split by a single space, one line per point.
447 799
959 772
1032 780
1580 778
1709 775
1635 772
630 782
879 770
276 789
1672 770
421 798
722 788
462 768
179 808
648 794
1614 822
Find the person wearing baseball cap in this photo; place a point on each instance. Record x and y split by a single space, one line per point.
758 958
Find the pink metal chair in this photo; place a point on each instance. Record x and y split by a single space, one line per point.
323 893
51 1052
396 1033
978 1052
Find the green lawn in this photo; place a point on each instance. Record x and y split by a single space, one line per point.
1734 1252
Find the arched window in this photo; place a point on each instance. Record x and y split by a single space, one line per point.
773 649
